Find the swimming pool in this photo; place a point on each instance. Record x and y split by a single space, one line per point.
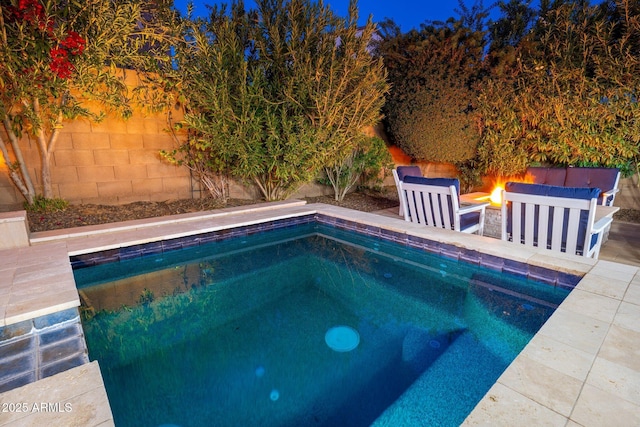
259 310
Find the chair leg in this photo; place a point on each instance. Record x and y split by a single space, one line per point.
596 251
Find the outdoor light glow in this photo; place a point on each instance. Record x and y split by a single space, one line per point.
496 195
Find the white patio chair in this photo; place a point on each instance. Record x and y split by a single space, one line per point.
557 218
398 175
436 202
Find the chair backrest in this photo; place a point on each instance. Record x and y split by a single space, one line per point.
558 218
431 201
606 179
547 176
403 171
399 174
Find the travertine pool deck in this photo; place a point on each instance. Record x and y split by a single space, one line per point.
582 368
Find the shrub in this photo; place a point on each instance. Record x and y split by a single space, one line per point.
431 109
277 93
43 205
367 164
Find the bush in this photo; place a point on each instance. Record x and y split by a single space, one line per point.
367 164
431 109
272 97
43 205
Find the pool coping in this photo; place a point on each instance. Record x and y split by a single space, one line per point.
580 369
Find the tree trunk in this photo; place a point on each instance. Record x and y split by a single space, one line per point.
46 149
217 185
47 189
267 187
15 176
21 180
45 172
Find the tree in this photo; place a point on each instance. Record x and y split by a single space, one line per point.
58 58
277 93
221 112
572 96
515 23
368 162
430 110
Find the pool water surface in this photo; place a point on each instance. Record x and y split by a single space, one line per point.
240 331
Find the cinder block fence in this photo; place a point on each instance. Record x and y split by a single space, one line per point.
117 161
112 162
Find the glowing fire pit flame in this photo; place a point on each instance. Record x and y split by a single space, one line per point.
496 195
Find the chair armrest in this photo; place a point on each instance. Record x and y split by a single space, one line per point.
601 225
606 194
472 207
611 192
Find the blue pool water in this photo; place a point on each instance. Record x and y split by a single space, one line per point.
236 332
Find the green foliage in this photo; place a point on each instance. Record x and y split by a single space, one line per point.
43 205
146 297
431 109
571 97
275 94
377 162
58 58
470 175
368 164
509 29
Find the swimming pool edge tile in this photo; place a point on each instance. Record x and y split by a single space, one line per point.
531 378
503 406
613 410
186 230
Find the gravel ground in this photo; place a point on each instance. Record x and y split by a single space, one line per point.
628 215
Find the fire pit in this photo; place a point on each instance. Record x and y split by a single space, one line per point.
496 195
492 214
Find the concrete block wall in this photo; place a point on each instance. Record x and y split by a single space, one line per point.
629 195
117 161
113 162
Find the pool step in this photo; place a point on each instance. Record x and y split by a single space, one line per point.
41 347
438 388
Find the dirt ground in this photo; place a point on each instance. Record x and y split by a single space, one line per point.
79 215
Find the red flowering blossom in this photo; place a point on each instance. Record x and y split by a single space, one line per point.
74 43
31 8
32 12
60 64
